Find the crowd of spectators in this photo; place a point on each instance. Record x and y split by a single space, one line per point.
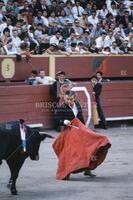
66 27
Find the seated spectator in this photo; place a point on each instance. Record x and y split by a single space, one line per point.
126 18
83 20
103 12
128 29
68 9
25 50
93 48
15 38
52 18
6 23
88 8
52 49
114 49
78 29
23 14
56 38
41 33
98 30
109 39
118 38
45 18
10 49
110 19
121 30
61 48
106 51
93 19
44 80
62 18
87 39
100 41
32 79
112 7
80 48
125 49
70 40
31 34
72 49
77 10
18 25
38 18
68 30
6 36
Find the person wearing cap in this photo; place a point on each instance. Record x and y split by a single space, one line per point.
97 89
60 80
56 90
68 30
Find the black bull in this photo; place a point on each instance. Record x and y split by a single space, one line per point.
11 148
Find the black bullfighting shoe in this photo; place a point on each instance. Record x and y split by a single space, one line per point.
89 173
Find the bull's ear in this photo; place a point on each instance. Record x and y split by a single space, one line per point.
44 136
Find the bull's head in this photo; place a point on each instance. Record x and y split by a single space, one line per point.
34 144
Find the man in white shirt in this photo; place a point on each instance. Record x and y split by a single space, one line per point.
77 10
55 39
44 80
6 24
109 39
93 19
10 49
100 41
15 38
114 49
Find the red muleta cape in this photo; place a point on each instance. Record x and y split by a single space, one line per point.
76 148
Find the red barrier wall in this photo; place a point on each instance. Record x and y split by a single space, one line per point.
23 68
33 103
84 67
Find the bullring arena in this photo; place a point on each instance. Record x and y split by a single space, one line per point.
18 100
78 38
